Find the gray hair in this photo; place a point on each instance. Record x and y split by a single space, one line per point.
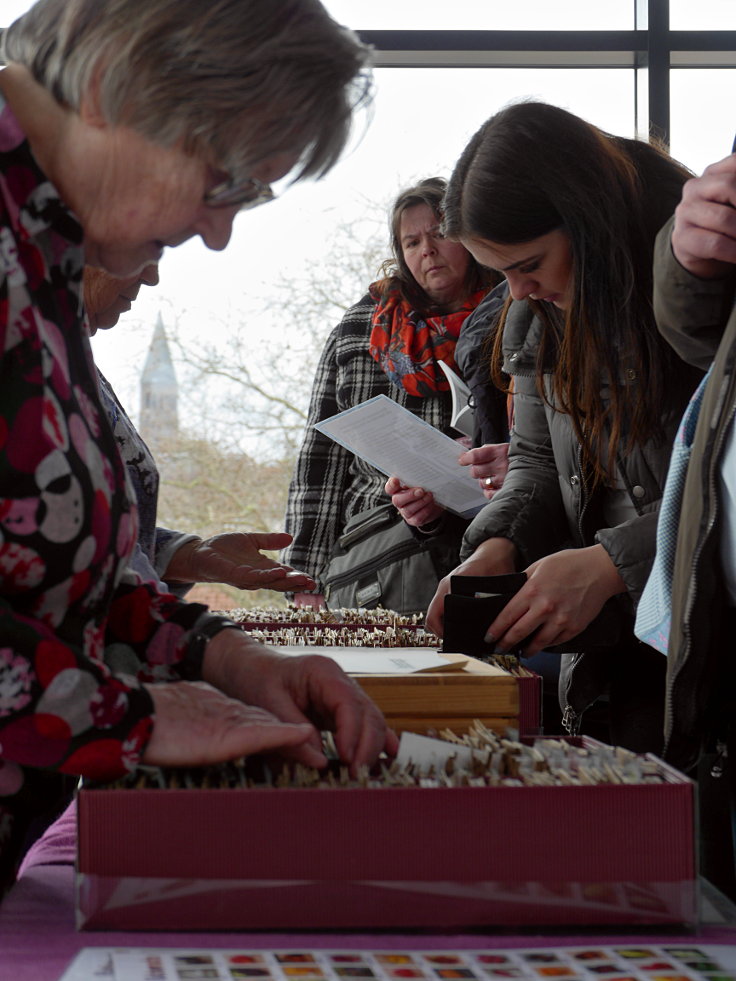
233 80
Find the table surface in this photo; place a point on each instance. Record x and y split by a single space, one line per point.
38 939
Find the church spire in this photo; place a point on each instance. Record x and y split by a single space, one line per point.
159 420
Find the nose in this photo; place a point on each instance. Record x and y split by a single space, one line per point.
428 246
215 226
520 285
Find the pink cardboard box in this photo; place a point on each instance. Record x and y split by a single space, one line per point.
452 857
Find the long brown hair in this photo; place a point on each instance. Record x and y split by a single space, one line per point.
395 271
533 168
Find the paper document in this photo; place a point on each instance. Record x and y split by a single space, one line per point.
397 443
427 753
380 660
463 417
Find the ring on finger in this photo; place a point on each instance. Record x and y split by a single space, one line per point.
488 481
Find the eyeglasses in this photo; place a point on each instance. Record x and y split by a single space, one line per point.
247 193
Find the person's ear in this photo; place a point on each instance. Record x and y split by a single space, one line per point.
90 110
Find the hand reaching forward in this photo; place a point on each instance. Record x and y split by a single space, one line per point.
196 725
495 557
235 558
563 593
704 234
415 505
309 688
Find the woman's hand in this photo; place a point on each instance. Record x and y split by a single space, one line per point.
704 234
563 593
196 725
495 557
415 505
490 464
235 558
306 689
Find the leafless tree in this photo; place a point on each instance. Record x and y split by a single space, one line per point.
257 392
250 400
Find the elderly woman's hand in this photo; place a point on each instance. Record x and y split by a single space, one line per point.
236 559
196 725
490 464
415 505
309 688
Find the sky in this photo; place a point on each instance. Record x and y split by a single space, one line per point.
417 126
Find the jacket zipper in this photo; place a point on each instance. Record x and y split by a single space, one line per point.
717 445
721 760
584 497
571 721
407 548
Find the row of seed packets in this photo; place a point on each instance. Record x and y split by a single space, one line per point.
619 963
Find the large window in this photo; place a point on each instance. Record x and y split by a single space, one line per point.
537 15
612 61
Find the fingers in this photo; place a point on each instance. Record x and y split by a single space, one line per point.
528 616
281 578
489 465
564 592
435 617
415 505
361 734
235 559
704 234
422 515
409 497
317 686
196 725
309 688
270 541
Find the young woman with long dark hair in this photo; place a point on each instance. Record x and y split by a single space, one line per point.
569 215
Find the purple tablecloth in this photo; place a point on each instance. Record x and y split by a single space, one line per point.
38 939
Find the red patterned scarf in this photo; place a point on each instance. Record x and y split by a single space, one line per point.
408 347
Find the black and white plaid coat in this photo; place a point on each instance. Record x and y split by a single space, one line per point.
330 484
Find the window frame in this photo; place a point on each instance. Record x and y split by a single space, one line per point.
651 49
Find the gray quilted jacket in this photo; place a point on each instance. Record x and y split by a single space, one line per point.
544 504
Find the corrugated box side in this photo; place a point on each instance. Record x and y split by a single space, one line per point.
389 857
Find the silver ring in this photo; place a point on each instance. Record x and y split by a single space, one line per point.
488 481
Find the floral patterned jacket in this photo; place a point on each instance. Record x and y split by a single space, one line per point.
78 634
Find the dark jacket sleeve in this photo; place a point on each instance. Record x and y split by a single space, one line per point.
472 357
528 510
690 312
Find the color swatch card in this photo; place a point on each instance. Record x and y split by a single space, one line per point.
630 963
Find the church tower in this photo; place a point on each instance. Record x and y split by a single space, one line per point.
159 420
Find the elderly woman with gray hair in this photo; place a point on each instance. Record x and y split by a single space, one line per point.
127 127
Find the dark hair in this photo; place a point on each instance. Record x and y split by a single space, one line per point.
395 271
533 168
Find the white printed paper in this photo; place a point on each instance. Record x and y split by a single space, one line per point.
399 444
380 660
